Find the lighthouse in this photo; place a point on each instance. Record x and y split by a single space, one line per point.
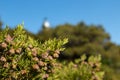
46 24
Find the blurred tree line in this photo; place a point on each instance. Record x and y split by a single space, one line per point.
85 39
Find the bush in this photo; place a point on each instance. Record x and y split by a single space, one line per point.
80 69
22 57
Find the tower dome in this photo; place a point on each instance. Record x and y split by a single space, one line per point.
46 24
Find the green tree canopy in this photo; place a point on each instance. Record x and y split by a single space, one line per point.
82 38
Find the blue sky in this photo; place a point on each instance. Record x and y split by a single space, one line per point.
32 12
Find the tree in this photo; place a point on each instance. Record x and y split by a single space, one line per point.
82 39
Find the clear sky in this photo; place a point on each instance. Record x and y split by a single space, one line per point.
32 12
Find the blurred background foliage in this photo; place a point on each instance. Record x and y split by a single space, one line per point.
1 25
84 39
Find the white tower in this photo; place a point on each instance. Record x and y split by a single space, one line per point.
46 24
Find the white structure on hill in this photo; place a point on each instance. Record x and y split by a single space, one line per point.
46 24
